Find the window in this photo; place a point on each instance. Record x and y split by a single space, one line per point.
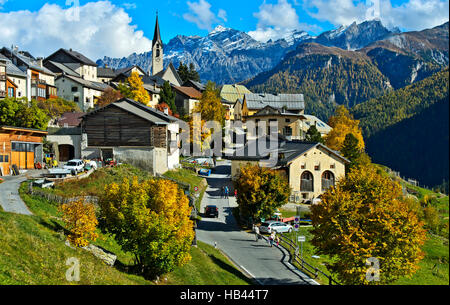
327 180
287 131
306 183
333 166
10 92
4 159
74 89
76 99
288 120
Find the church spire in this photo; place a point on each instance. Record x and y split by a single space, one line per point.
157 35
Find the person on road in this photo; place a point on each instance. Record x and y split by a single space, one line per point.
278 240
226 191
256 230
222 194
272 238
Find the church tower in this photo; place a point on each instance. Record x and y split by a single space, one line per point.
157 50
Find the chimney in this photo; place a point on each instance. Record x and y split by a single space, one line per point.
40 61
166 111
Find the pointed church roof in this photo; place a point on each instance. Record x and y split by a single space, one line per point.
157 35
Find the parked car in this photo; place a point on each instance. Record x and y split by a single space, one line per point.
75 166
275 226
314 201
212 211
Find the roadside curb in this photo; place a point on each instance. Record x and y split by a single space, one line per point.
240 268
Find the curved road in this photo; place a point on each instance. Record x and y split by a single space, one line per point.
268 266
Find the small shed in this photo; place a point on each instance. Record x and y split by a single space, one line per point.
19 146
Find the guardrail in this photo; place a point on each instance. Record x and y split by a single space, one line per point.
304 266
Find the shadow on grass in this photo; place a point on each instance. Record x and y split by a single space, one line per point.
231 270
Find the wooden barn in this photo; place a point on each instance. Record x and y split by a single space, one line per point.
130 132
21 147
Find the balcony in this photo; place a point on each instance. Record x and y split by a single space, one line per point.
36 81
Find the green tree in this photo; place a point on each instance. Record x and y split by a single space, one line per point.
193 74
166 95
365 216
125 90
350 148
55 107
183 72
260 191
150 219
313 135
21 113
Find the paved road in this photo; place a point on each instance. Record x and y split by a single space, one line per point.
269 266
9 194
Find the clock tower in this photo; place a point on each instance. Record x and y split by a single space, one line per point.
157 50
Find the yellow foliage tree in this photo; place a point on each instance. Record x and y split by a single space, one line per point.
81 221
366 218
210 106
152 220
343 123
137 88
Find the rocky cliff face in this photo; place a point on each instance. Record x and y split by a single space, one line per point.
224 56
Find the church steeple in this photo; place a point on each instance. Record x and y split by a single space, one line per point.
157 50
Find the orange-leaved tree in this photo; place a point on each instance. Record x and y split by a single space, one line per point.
368 229
150 219
260 191
343 123
80 221
109 96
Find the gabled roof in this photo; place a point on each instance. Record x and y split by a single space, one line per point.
106 73
261 100
12 69
189 92
233 92
269 110
127 70
162 74
150 114
62 68
76 56
320 125
191 83
71 119
287 151
26 60
86 83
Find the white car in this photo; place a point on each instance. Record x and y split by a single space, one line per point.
275 226
75 166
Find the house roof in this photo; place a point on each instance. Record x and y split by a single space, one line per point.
106 72
197 85
12 69
269 110
150 114
287 151
63 68
127 70
86 83
29 61
75 55
320 125
189 92
23 129
234 92
71 119
171 67
261 100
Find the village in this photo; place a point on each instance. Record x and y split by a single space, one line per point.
250 174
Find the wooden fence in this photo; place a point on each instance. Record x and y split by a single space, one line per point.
292 248
61 199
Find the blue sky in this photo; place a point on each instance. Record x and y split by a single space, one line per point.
119 28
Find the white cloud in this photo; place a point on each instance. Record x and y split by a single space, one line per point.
411 15
276 21
129 6
222 14
101 29
200 13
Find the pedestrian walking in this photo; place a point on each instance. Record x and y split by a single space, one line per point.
235 193
278 240
256 230
222 194
226 191
272 239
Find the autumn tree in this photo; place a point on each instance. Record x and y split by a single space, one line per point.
80 221
109 96
260 191
343 123
55 107
313 135
138 92
167 96
210 106
365 217
150 219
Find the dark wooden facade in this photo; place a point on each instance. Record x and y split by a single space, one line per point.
115 127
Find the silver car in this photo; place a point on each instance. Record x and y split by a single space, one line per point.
275 226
